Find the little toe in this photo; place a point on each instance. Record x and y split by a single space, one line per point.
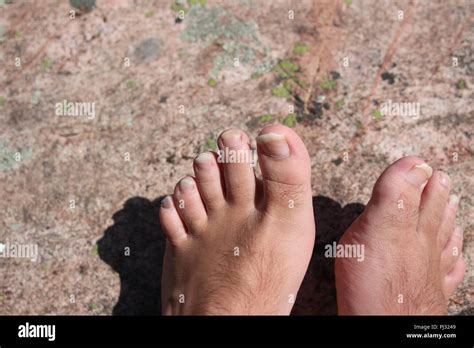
452 250
189 205
171 223
454 278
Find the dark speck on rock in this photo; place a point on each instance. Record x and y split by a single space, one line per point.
337 161
316 110
335 75
83 5
163 99
148 50
326 106
178 20
389 77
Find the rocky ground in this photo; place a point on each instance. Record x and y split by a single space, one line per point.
166 78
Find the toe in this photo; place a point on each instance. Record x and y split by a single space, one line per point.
190 205
286 169
237 161
454 278
434 200
209 181
449 220
171 223
452 251
397 193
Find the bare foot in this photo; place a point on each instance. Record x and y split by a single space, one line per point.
413 260
238 245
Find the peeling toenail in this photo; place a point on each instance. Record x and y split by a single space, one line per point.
274 145
204 159
419 174
444 180
232 138
186 185
453 200
167 202
459 231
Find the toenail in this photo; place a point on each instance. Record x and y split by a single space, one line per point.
204 159
232 138
274 145
444 179
453 200
167 202
419 174
458 231
186 185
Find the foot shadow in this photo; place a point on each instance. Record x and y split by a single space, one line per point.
137 227
317 295
134 247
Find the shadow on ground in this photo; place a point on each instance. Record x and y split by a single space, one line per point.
137 227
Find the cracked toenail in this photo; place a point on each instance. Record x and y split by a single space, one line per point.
186 185
453 200
419 174
274 145
167 202
444 180
204 159
459 231
232 138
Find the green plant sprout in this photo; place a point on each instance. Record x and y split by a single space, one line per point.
328 85
461 84
290 121
212 83
340 104
378 115
131 84
286 68
95 250
210 144
46 63
301 48
197 2
265 118
281 92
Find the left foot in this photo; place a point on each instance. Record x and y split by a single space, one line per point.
235 244
412 262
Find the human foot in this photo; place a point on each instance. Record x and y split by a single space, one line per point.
413 260
237 244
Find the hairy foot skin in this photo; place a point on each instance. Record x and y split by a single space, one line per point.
237 244
412 262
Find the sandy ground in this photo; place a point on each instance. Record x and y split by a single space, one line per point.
85 190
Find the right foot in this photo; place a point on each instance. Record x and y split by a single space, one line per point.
413 260
237 245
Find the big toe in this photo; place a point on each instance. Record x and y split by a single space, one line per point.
286 169
397 194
